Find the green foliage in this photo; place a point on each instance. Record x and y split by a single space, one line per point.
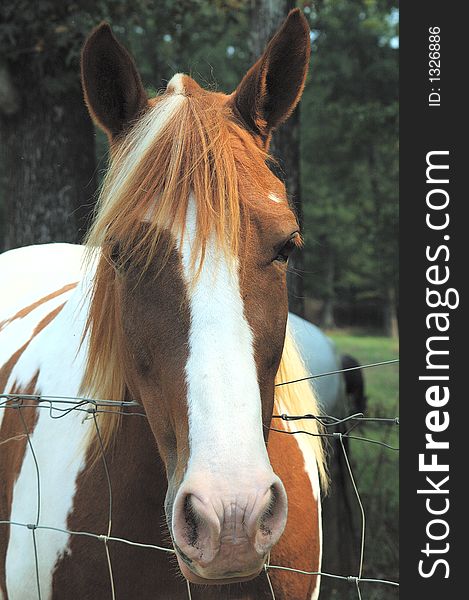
46 36
204 39
349 150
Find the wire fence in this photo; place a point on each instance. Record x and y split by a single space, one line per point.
61 406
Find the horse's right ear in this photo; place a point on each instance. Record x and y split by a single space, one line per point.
113 90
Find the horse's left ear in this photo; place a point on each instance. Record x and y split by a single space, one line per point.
113 90
272 88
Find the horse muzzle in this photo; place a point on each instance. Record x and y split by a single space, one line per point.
223 530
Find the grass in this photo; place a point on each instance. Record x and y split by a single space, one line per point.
382 385
375 467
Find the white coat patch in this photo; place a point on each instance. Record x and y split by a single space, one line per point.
58 444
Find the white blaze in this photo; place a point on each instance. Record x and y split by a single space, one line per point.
224 403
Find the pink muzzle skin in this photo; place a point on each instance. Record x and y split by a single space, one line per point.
223 530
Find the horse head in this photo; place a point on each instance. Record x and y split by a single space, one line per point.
189 303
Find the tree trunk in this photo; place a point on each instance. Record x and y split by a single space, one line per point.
47 161
286 149
327 316
390 314
266 16
386 290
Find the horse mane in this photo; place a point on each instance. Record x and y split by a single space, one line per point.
186 146
299 398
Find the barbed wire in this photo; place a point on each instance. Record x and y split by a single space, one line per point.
102 402
93 407
317 376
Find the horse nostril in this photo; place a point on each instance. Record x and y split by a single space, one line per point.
191 525
195 528
265 523
272 522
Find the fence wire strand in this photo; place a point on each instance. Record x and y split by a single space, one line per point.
368 366
360 504
92 408
109 523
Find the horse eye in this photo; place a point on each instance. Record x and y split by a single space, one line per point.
284 252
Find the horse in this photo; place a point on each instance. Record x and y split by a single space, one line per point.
176 309
320 355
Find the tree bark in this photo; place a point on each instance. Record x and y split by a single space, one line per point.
266 16
47 157
386 289
327 316
390 314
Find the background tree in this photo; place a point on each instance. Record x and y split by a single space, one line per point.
265 18
47 140
349 156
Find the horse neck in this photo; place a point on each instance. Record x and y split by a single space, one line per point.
138 479
137 485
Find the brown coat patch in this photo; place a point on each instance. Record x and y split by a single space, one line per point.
24 312
299 546
7 368
13 442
